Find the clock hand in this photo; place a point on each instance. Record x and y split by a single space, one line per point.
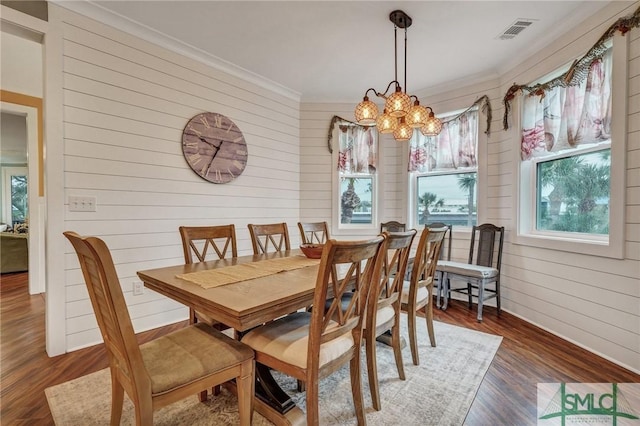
206 141
214 155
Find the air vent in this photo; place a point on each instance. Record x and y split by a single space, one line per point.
514 29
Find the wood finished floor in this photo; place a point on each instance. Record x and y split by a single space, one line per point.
507 396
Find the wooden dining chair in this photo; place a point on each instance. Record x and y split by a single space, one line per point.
201 243
392 226
311 345
482 269
313 232
417 292
169 368
269 237
445 255
383 309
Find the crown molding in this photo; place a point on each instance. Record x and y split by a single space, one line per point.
122 23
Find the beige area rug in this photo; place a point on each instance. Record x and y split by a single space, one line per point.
439 391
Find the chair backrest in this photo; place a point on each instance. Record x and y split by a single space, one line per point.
486 245
345 266
269 236
396 258
448 241
426 260
313 232
197 240
392 226
111 312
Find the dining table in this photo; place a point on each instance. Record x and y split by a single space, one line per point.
245 292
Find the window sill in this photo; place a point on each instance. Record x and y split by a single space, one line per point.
602 248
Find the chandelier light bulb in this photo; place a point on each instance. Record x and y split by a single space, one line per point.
366 112
433 126
386 123
404 132
417 116
398 103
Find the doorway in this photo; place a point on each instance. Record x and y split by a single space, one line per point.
30 109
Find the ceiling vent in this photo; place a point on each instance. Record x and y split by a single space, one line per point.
514 29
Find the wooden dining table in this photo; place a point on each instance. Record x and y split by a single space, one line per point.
243 305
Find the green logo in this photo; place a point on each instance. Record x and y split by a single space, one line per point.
587 403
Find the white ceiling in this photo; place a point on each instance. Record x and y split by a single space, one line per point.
335 50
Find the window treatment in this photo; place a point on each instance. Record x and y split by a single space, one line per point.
566 117
357 149
455 147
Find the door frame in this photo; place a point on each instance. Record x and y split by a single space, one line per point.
31 108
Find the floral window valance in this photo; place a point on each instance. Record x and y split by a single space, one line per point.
565 117
357 149
455 147
579 70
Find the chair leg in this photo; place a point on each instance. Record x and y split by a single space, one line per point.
439 289
117 397
498 295
480 299
413 340
245 384
372 368
447 290
470 295
429 317
312 397
396 342
144 411
356 389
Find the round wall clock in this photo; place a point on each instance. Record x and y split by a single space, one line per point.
214 147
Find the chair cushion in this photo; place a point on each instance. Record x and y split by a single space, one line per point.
384 315
189 354
287 339
423 293
467 269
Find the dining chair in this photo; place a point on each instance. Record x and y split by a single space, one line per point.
201 243
392 226
311 345
267 237
313 232
169 368
417 292
481 270
383 309
445 254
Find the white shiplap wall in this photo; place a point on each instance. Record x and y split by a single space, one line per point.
589 300
125 103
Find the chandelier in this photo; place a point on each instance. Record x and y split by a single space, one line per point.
401 115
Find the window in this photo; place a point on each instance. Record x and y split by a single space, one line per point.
357 178
15 202
443 170
570 192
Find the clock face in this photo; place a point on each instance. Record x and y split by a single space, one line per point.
214 147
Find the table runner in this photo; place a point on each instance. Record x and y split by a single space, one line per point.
247 271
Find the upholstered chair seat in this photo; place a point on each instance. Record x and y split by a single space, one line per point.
287 339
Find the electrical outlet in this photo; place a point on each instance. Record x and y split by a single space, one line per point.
82 204
138 288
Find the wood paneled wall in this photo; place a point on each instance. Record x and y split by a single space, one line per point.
125 104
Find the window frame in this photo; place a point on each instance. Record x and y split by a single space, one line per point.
481 175
360 229
525 191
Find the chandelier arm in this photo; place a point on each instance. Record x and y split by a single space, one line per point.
384 95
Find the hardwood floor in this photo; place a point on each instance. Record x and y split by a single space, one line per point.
507 396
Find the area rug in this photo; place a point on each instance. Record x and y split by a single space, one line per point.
439 391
